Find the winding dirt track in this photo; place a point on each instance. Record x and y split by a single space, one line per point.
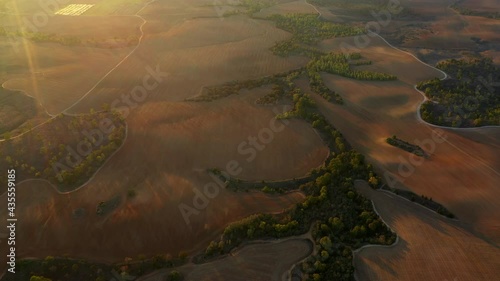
181 179
52 116
430 247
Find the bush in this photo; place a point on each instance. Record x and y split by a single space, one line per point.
174 276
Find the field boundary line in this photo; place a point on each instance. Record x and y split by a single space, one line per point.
418 115
358 250
26 94
87 181
120 62
446 76
316 9
95 86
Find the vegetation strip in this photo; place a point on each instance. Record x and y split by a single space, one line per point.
469 98
404 145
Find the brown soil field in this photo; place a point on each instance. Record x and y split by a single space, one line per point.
171 143
481 5
164 157
291 7
54 75
454 31
429 247
484 28
84 27
196 53
493 54
15 109
425 25
462 172
260 261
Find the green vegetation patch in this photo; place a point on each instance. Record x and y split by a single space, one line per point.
308 30
234 87
339 64
106 207
422 200
406 146
67 150
469 12
66 269
277 93
470 97
341 219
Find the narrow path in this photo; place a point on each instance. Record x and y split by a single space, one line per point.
69 114
144 21
418 115
234 252
314 7
86 182
65 111
28 95
445 76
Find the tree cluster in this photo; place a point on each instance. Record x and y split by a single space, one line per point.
422 200
342 219
404 145
307 30
470 97
46 152
339 64
278 91
67 269
283 80
469 12
310 29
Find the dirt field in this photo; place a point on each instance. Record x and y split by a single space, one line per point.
462 172
430 247
171 143
15 109
261 261
481 5
60 80
430 26
236 48
151 223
